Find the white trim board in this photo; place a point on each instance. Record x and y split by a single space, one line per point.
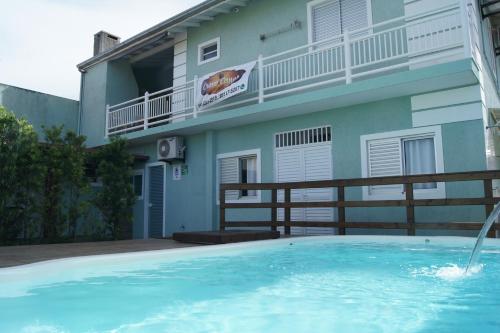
445 98
446 115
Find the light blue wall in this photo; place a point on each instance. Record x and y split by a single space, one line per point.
120 82
192 204
93 101
40 109
239 32
106 83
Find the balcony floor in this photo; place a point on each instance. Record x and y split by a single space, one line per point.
406 83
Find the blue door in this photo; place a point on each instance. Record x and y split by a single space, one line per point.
156 201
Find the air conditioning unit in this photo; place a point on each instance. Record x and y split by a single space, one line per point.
169 149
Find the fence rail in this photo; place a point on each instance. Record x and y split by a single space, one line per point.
488 200
390 45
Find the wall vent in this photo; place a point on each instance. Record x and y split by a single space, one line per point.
303 137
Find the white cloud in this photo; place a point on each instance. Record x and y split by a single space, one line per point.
41 41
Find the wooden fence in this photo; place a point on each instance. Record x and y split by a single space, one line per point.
488 200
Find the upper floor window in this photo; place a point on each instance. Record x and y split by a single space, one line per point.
209 51
330 18
402 153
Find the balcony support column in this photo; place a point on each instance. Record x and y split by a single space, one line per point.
195 95
146 110
260 64
106 128
347 57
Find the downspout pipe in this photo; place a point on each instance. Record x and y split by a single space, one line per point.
80 103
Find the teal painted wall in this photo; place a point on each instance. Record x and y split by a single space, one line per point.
186 199
191 203
384 10
93 101
120 82
40 109
239 32
106 83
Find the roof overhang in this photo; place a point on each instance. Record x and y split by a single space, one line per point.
165 31
490 8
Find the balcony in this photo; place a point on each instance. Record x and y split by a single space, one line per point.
400 44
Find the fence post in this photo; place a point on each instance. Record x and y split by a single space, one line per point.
347 55
341 209
274 210
106 128
410 209
195 94
222 209
260 64
287 211
488 194
146 110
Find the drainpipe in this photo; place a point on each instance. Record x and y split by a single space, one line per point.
80 107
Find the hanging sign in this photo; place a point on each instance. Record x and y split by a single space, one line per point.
219 86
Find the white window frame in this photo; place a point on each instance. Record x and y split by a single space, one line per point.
313 3
138 172
415 133
241 154
203 45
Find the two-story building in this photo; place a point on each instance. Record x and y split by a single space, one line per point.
297 90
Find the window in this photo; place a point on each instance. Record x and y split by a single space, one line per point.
409 152
239 167
330 18
419 159
137 183
209 51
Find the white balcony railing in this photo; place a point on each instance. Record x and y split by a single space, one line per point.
397 44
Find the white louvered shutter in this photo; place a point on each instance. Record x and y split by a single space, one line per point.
290 168
229 173
384 160
354 16
318 166
326 21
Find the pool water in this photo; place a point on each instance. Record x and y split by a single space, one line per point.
324 284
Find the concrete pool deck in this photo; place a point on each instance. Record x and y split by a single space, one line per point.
27 254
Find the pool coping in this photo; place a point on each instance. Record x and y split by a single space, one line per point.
207 250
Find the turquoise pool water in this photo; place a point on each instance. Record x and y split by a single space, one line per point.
324 284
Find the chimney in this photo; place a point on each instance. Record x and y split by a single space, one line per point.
104 41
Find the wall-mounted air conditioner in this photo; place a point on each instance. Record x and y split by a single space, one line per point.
170 149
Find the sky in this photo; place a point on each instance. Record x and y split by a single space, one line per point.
42 41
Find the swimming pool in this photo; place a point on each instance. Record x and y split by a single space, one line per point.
315 284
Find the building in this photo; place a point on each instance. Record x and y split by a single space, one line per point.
328 89
40 109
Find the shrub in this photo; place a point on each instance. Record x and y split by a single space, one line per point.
20 177
63 163
116 197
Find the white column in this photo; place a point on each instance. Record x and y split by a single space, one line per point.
146 110
195 94
347 53
106 127
260 64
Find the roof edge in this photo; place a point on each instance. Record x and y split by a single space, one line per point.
150 33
